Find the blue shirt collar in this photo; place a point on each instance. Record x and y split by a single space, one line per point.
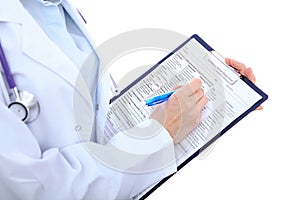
50 2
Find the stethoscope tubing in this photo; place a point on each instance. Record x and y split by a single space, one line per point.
10 80
24 104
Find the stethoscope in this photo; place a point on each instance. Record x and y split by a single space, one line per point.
23 103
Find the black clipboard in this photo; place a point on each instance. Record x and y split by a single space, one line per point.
263 98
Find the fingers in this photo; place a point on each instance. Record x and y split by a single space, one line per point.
242 69
250 75
198 96
189 89
202 102
259 108
193 93
194 86
176 87
239 67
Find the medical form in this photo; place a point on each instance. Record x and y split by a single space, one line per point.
230 96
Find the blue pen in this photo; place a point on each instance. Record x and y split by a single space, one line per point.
158 99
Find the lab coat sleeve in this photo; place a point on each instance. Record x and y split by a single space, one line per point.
142 155
73 172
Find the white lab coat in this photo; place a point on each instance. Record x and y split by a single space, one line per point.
47 159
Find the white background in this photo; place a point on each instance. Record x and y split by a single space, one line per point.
259 157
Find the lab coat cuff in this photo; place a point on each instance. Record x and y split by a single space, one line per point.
147 137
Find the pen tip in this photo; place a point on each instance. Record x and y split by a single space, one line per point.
142 104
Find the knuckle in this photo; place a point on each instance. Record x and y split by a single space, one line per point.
195 84
201 91
198 81
205 101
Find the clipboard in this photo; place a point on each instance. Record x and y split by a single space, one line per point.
262 97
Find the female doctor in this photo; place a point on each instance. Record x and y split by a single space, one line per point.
42 155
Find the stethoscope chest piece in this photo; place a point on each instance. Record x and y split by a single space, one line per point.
25 106
23 103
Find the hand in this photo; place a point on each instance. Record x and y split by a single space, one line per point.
181 113
243 70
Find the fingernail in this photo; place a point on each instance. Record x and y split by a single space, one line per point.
227 60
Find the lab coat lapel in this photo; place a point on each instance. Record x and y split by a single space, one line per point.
103 92
78 19
40 48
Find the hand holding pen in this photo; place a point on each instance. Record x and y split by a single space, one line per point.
161 98
181 113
